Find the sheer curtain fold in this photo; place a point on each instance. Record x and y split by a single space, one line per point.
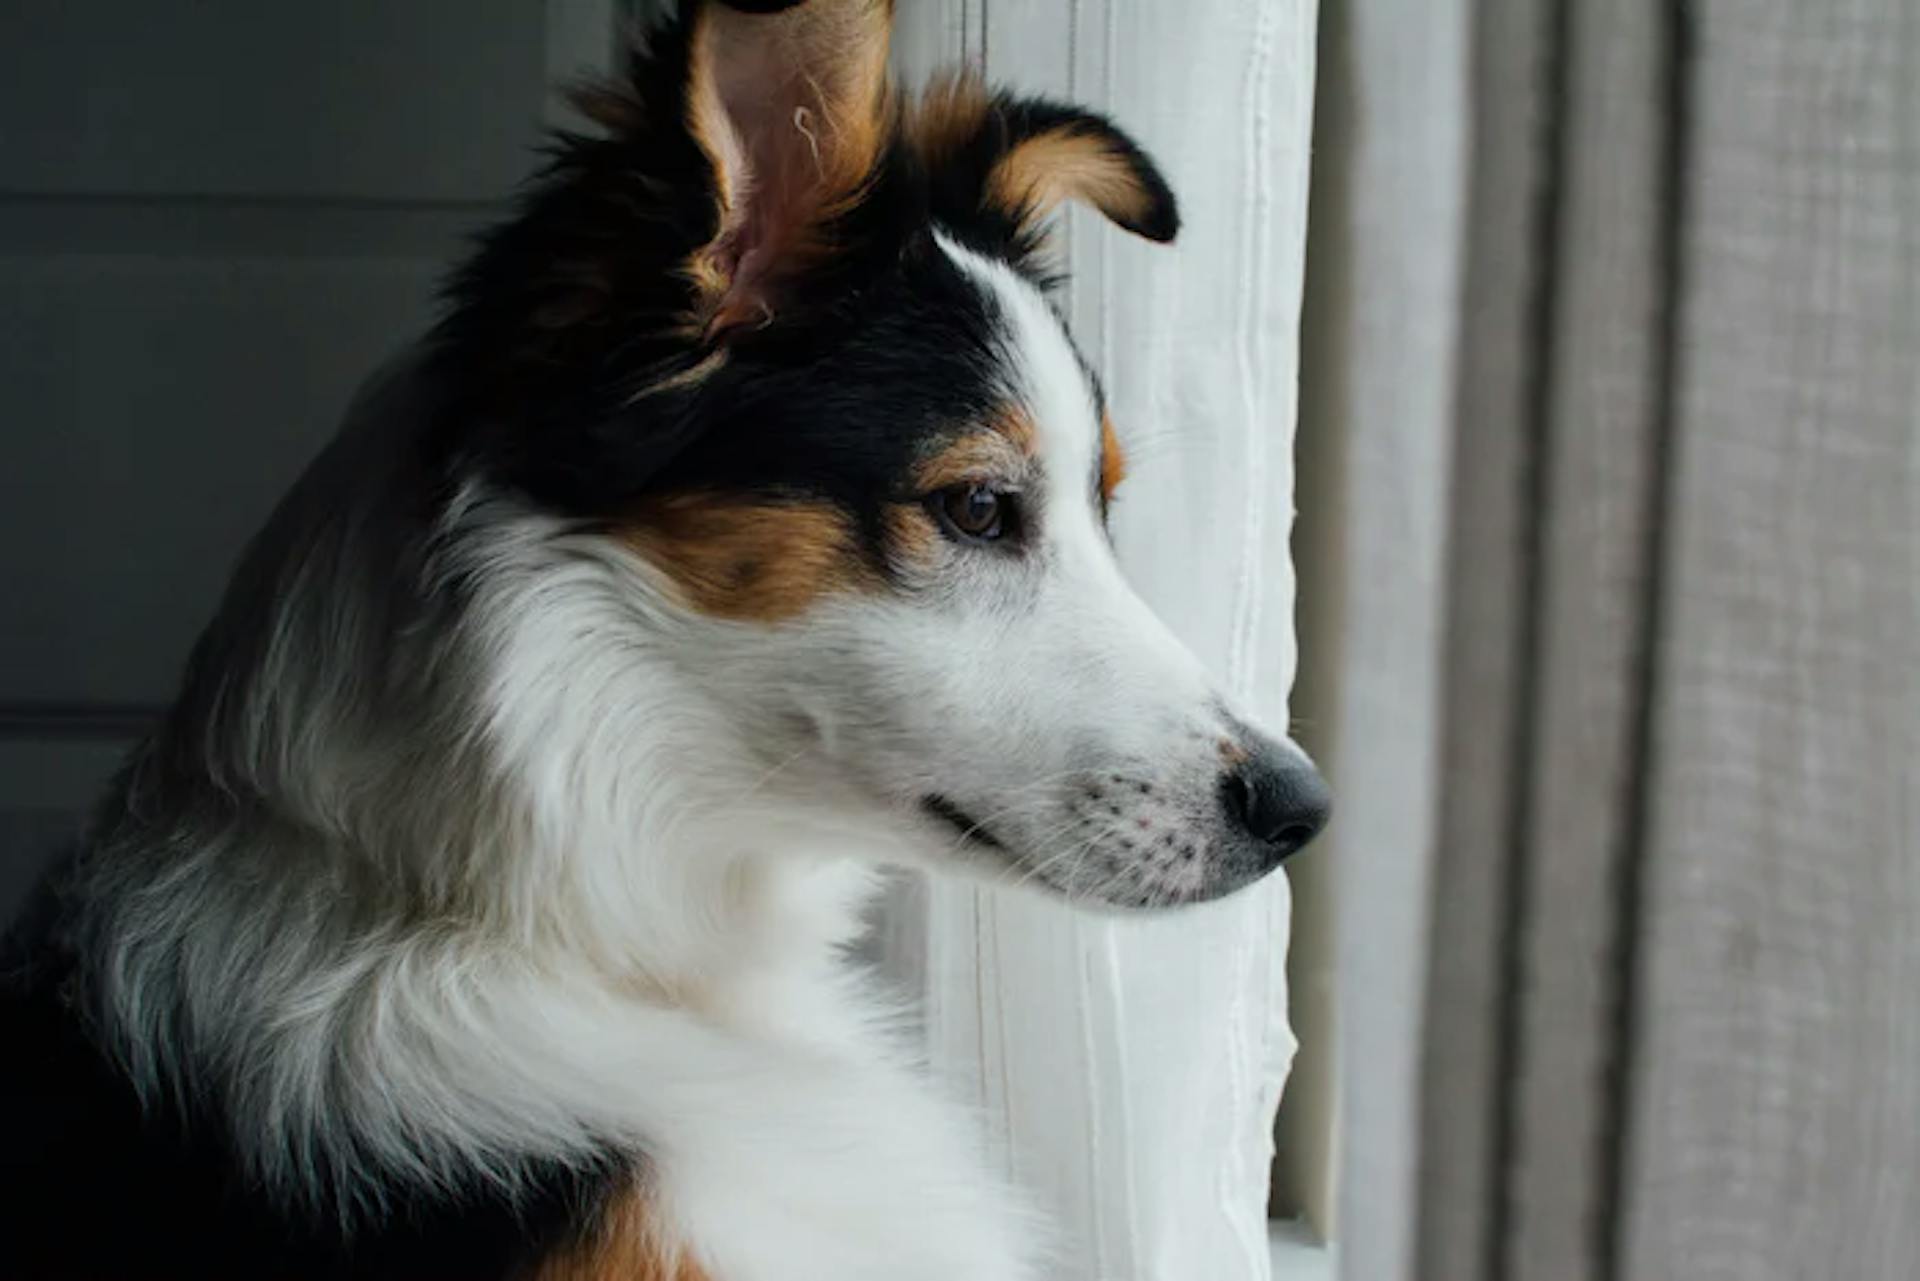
1130 1068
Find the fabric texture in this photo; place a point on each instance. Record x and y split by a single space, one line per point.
1612 317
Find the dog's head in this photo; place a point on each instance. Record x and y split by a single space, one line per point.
782 344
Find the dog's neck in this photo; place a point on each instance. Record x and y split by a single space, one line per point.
654 839
348 1040
418 896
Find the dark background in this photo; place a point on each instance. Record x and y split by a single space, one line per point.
215 218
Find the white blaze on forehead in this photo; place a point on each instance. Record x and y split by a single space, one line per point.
1049 380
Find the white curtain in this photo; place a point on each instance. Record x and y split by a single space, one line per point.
1130 1069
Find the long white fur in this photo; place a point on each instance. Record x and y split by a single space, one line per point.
569 887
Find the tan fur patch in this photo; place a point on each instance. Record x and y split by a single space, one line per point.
692 375
628 1245
913 540
708 269
749 560
1113 460
793 110
1036 173
1062 164
948 114
1004 449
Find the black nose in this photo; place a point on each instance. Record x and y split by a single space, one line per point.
1278 798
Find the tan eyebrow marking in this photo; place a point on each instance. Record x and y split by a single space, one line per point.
1006 445
1113 459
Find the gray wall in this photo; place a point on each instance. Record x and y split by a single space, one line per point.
214 219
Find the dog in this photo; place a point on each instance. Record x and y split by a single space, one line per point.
479 909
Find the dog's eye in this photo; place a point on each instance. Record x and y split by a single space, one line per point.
974 512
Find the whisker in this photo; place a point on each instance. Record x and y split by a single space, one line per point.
1102 831
1059 856
1021 791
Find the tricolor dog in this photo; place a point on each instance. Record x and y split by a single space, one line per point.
478 909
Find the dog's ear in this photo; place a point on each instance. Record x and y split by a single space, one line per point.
1014 160
790 102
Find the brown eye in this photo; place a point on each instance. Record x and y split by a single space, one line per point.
973 511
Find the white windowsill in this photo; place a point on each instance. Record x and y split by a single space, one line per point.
1299 1256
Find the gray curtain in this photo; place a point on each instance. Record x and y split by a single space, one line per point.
1613 464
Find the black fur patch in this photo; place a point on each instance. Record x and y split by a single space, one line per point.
93 1187
581 383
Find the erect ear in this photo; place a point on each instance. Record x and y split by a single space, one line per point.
790 102
1016 159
